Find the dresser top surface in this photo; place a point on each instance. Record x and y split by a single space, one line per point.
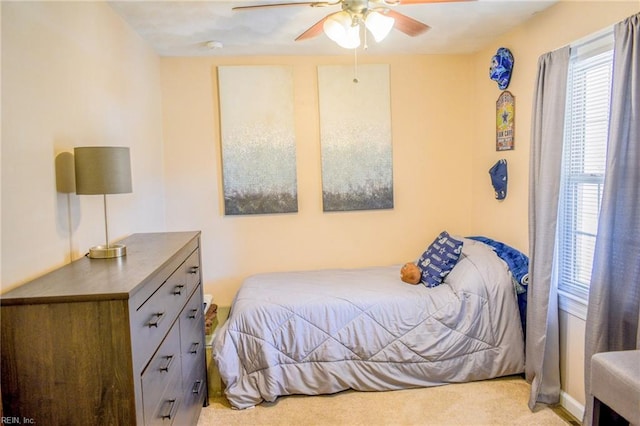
104 279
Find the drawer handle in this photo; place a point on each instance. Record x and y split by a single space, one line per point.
194 269
193 313
178 290
157 318
171 405
165 367
194 348
197 387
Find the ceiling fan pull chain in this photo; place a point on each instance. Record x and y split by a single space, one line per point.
355 65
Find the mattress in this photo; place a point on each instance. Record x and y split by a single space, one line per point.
324 331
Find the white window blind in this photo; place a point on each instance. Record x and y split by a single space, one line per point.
584 161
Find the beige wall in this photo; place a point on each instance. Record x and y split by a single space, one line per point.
507 220
73 74
431 159
558 26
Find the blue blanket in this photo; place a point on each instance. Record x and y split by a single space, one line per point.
519 266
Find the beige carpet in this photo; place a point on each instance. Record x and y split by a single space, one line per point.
493 402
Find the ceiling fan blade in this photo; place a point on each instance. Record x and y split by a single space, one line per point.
303 3
403 2
314 30
407 25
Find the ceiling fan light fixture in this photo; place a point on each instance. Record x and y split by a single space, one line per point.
339 28
379 25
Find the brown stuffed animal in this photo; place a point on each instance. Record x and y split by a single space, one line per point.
410 273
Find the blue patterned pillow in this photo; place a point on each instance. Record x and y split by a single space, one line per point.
439 259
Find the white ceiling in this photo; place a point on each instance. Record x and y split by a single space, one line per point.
183 28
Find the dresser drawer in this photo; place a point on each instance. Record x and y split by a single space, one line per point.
192 317
168 409
191 270
195 392
161 380
192 335
143 292
154 318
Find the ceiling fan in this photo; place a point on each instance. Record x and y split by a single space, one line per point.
343 26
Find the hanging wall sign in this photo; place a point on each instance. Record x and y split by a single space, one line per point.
505 121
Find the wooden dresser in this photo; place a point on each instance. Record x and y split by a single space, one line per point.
109 341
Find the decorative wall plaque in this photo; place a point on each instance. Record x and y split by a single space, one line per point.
505 121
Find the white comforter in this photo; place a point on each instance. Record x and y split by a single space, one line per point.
318 332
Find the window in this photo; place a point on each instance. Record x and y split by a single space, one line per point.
584 161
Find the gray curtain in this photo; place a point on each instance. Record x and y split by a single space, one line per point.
614 296
542 345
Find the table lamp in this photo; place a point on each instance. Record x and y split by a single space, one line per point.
102 170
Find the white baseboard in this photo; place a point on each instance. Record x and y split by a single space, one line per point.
571 405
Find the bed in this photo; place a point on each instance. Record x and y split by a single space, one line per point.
325 331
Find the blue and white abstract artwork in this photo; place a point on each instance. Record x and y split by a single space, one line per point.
258 139
355 137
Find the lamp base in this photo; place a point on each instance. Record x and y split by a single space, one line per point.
108 252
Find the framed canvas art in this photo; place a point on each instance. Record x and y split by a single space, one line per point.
355 138
258 139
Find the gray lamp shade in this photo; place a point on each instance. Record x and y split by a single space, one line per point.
65 173
102 170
